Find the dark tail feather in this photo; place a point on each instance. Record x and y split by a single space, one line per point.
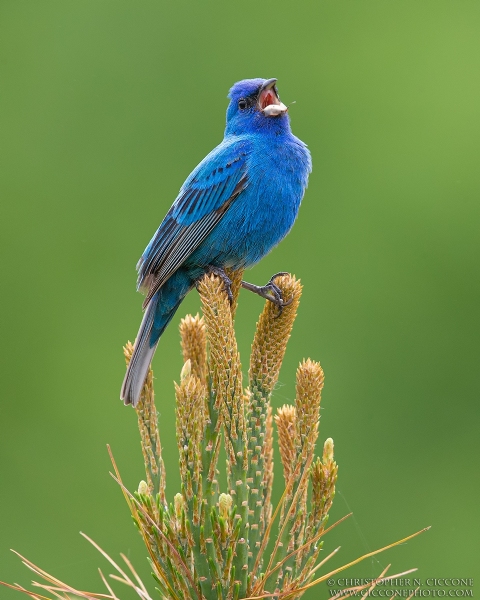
141 358
158 314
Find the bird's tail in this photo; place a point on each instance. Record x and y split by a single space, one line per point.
158 314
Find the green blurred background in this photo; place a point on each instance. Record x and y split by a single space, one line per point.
105 107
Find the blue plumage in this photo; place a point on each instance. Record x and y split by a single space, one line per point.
236 205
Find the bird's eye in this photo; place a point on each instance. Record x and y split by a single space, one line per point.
242 104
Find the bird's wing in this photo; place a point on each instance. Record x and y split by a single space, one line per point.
202 201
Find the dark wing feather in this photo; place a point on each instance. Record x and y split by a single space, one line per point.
203 200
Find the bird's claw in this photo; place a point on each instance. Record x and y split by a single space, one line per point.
227 282
270 292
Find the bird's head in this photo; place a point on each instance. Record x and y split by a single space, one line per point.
255 106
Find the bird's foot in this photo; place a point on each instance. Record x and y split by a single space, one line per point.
227 282
271 292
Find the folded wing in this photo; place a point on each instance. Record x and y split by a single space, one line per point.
201 203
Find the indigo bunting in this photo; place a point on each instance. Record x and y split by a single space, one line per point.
234 207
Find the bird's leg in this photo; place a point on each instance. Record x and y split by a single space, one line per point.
227 282
270 291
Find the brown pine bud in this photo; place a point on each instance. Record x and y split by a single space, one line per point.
285 419
272 334
194 345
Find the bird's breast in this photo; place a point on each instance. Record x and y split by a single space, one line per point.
278 175
265 211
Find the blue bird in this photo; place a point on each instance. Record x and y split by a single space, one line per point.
235 206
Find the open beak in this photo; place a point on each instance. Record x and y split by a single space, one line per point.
268 100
